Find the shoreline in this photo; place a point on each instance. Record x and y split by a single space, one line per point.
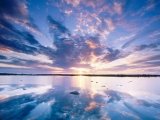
90 75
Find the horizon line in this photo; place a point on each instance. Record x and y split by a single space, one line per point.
71 74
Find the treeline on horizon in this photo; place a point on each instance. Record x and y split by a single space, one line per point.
103 75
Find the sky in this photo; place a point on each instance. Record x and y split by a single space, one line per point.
80 36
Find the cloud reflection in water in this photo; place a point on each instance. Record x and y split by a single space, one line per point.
53 102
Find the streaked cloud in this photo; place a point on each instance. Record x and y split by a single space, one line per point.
17 12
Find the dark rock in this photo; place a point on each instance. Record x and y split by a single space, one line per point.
74 93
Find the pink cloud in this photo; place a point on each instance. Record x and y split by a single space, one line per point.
89 3
117 8
110 24
74 3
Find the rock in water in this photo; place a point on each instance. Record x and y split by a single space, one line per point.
74 92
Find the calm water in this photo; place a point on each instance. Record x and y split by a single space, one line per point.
99 98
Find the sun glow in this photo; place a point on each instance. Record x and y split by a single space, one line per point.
80 71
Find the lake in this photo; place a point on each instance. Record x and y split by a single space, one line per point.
79 98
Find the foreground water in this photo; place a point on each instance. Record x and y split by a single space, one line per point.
99 98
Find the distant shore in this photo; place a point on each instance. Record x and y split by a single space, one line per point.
91 75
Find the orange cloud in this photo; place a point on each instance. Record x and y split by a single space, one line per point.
2 49
91 106
91 44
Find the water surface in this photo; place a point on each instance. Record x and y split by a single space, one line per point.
99 98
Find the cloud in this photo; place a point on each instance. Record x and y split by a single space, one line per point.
66 54
114 54
17 12
140 115
7 107
148 59
121 7
92 107
30 38
54 25
147 104
30 70
126 37
110 24
139 35
74 3
88 22
16 46
81 47
71 50
28 65
63 105
11 38
93 42
13 8
23 62
145 65
114 96
147 62
89 3
3 57
145 46
72 107
19 41
1 89
118 8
